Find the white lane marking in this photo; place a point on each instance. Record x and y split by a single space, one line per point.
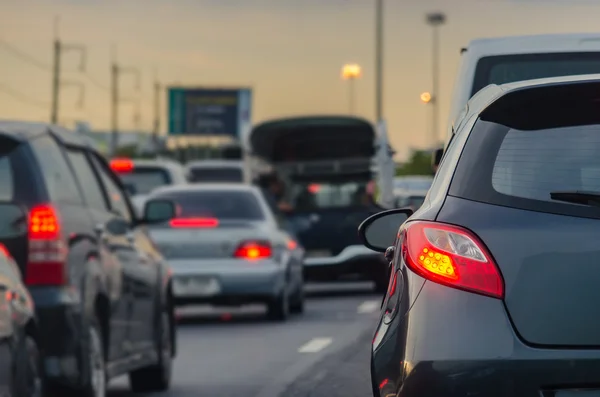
315 345
368 307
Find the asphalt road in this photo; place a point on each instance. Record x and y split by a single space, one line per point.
226 353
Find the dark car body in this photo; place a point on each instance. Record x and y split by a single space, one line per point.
92 271
326 163
494 280
20 372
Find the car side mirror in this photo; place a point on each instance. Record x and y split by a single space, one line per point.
158 211
379 231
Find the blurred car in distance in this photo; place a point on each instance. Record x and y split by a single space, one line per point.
216 171
20 369
141 176
501 261
326 165
410 191
501 60
226 247
101 290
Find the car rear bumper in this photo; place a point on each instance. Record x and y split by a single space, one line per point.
60 322
453 343
353 260
233 281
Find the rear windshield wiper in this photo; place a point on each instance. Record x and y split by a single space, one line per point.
577 197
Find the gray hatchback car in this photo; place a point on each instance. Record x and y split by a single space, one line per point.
494 281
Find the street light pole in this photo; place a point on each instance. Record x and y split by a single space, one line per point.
435 20
351 72
378 60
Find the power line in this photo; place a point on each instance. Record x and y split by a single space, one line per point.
23 98
24 56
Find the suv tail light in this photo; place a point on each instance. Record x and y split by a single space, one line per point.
254 250
47 254
452 256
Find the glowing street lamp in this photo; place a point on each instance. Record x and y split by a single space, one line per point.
351 72
426 97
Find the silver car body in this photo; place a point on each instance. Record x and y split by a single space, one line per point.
203 263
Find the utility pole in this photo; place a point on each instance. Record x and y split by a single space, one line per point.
379 60
116 71
156 126
435 20
57 83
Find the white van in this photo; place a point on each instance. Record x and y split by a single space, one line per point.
509 59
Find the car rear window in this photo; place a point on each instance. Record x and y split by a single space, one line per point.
510 68
143 180
530 144
214 174
220 204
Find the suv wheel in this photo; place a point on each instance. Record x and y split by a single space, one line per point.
279 308
156 377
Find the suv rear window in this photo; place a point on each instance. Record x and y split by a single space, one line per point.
143 180
220 204
531 143
214 174
510 68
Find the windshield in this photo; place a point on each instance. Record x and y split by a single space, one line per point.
510 68
413 184
214 174
310 196
220 204
145 180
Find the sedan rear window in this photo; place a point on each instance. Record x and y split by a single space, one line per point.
213 174
143 180
220 204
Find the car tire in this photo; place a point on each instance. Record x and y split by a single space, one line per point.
28 375
95 380
279 308
297 306
157 377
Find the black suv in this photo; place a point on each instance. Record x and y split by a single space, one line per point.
102 291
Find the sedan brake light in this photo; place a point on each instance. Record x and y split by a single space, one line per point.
194 222
121 165
452 256
253 250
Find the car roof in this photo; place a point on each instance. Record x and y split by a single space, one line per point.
215 164
26 130
203 187
541 43
488 95
164 163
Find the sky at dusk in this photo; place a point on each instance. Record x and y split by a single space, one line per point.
289 51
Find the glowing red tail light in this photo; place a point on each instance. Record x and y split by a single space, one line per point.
452 256
4 251
253 250
47 254
121 165
193 222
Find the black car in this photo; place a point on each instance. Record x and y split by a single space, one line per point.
20 370
494 280
101 290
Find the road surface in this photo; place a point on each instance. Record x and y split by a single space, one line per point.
226 353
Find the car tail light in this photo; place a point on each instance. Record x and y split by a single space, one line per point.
253 250
47 254
193 222
121 165
4 251
452 256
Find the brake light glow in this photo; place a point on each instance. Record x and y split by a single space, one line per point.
47 253
252 250
4 251
194 222
292 245
452 256
121 165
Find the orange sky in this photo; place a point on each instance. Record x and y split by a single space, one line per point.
289 51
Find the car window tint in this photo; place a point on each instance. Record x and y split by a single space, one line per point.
221 204
57 174
531 164
116 196
6 179
90 185
214 174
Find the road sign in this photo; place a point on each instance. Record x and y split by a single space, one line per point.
209 111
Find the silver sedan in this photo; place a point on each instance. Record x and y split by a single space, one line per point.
226 247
